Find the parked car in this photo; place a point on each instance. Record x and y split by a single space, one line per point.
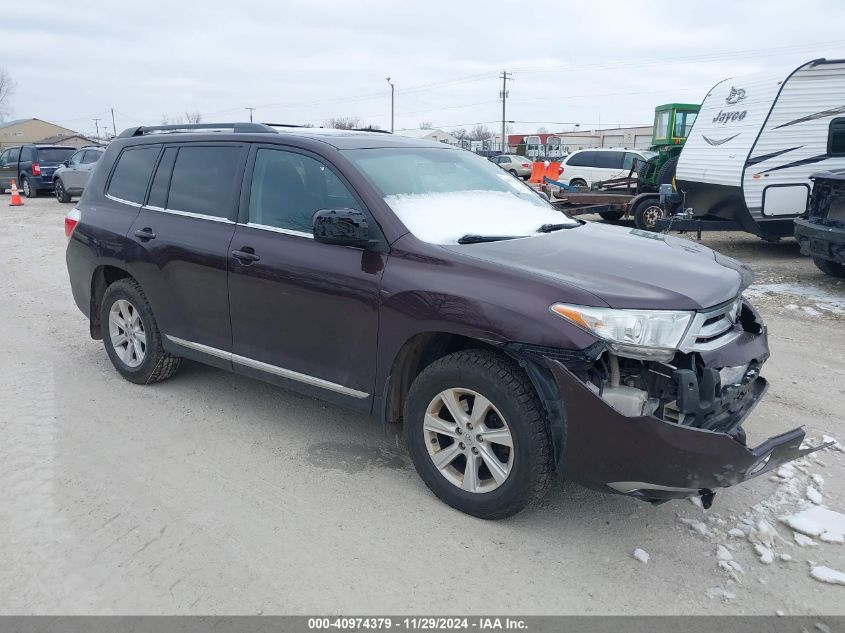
70 179
517 165
821 233
32 166
411 281
585 166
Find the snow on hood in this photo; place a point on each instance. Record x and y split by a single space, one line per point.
443 218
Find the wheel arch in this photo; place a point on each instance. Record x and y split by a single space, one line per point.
102 277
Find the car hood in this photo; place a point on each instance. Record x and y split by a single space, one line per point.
625 268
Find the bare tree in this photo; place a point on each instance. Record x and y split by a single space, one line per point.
344 122
542 130
7 88
460 133
480 133
193 117
185 119
426 125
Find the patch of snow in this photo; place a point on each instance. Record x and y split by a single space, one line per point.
696 526
722 553
763 534
818 480
803 540
787 471
767 556
779 613
816 520
833 537
736 533
785 558
811 311
827 439
718 593
814 495
696 501
442 218
826 574
819 297
641 555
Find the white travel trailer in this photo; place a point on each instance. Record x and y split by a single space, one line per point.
756 140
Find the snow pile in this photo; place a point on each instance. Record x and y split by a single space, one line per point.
443 218
641 555
820 298
818 521
718 593
826 574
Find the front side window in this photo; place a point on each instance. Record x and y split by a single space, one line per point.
582 159
836 138
441 195
76 159
6 158
683 123
91 156
132 173
203 180
609 160
288 188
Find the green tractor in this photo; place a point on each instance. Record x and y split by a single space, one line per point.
672 125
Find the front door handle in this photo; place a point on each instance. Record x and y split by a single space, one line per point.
246 255
145 234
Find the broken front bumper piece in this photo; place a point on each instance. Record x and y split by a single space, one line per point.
654 459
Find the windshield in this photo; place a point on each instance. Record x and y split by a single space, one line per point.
54 154
442 195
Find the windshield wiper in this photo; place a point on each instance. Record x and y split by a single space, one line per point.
477 239
548 228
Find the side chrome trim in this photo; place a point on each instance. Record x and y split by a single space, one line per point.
268 368
276 229
189 214
122 201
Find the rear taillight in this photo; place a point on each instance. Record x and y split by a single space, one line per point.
36 169
71 220
526 165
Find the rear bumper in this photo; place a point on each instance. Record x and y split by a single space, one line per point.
821 240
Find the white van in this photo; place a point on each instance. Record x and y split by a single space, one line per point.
584 167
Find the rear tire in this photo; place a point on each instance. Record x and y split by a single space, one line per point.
512 172
61 193
579 182
611 216
131 335
646 214
511 434
28 190
828 267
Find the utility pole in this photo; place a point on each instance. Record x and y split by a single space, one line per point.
113 126
97 125
391 103
505 76
250 113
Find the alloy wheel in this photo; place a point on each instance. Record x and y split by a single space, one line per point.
468 440
25 187
651 215
126 332
60 191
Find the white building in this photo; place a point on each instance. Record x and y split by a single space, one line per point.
433 134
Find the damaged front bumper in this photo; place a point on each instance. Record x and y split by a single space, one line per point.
665 431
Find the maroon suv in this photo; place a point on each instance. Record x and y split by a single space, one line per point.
425 286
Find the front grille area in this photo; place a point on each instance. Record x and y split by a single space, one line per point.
713 328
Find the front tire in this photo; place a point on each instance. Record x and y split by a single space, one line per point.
611 216
666 175
828 267
512 172
131 335
61 193
478 434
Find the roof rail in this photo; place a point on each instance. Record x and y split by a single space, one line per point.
238 128
370 129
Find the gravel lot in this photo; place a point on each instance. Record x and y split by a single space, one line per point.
212 493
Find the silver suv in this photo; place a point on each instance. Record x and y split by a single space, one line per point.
70 179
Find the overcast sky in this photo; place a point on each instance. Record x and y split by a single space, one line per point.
299 62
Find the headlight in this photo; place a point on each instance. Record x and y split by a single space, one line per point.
645 334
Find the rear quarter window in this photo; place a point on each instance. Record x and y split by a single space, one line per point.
55 154
132 173
582 159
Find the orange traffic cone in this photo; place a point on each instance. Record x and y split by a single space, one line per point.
15 200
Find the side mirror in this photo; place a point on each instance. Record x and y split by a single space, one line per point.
65 163
344 227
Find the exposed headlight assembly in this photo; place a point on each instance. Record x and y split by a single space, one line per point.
641 334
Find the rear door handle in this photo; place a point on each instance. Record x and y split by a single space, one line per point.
246 256
145 234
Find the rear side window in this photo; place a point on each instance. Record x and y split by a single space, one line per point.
582 159
204 180
26 154
609 160
132 173
836 138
